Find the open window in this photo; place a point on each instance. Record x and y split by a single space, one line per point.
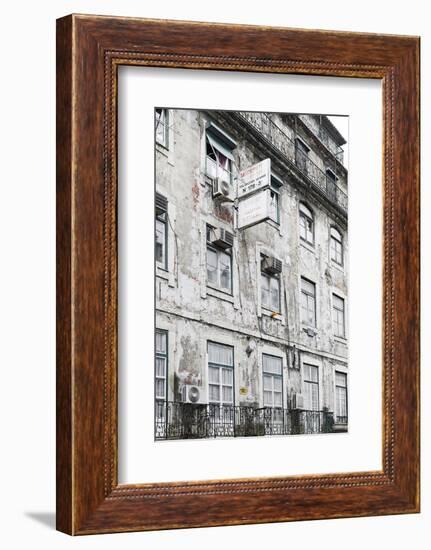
219 157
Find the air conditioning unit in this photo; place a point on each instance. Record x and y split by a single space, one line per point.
223 190
161 204
272 265
297 401
190 393
222 238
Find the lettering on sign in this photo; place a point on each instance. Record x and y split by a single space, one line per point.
254 178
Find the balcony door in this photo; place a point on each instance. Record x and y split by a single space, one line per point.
221 389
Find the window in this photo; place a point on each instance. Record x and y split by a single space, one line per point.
274 213
219 266
341 397
161 372
338 315
219 269
220 374
311 387
306 224
161 231
162 127
219 158
331 180
331 184
336 246
270 292
308 302
272 381
301 155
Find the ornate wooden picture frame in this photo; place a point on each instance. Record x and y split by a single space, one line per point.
89 51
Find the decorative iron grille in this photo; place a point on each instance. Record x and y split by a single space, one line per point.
190 421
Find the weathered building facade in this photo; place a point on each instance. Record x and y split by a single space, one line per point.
251 323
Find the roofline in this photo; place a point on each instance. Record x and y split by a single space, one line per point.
332 130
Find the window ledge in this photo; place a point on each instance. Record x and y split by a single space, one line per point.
307 246
216 293
162 148
273 223
338 267
340 339
273 314
162 272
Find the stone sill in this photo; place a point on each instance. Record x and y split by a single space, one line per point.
269 313
307 246
216 293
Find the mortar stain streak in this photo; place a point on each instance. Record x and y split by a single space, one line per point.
189 361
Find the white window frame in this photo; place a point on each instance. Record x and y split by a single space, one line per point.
162 219
279 316
308 383
308 295
163 120
161 354
344 387
272 279
272 376
336 237
221 367
218 252
306 215
335 316
219 150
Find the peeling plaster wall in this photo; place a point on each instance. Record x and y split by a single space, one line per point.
194 314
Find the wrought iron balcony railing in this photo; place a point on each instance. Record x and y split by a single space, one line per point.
188 421
288 149
325 138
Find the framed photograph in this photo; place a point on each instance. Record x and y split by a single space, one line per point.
237 274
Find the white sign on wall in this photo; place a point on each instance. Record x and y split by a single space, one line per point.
254 209
254 177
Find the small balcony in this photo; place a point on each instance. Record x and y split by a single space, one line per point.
288 149
174 420
325 138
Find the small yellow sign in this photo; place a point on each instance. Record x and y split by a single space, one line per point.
243 391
